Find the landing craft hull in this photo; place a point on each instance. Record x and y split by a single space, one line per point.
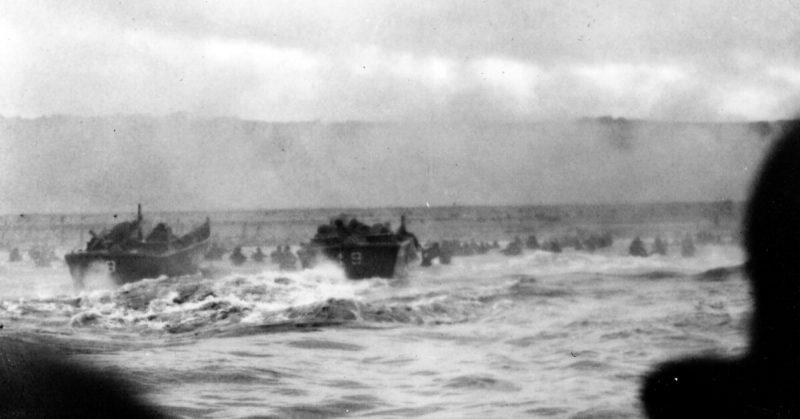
372 260
133 266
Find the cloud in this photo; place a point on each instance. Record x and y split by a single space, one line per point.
384 60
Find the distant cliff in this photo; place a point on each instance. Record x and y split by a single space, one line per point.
68 163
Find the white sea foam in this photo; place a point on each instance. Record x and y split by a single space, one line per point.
535 335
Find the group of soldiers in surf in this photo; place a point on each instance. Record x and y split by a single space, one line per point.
450 248
661 247
41 255
281 256
447 249
516 246
585 241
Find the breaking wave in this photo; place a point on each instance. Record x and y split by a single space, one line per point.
264 300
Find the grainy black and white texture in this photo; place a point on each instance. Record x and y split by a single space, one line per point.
250 108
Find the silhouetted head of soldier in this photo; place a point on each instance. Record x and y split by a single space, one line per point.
765 381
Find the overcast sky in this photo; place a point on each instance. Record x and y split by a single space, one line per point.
402 60
446 75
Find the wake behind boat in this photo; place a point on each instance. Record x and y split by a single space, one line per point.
127 255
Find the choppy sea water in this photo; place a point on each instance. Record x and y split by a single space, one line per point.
535 335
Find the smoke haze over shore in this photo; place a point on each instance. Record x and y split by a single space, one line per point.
464 102
79 164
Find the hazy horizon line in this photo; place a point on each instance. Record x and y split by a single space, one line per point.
389 207
197 116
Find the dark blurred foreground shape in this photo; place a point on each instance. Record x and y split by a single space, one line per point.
39 383
765 381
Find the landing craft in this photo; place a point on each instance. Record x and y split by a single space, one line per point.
128 256
364 251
